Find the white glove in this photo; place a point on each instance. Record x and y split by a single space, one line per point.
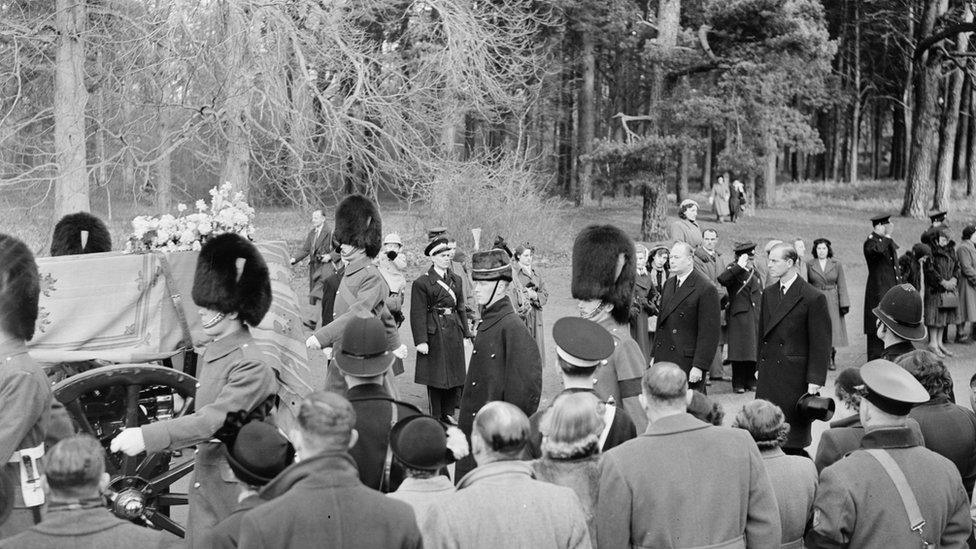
423 348
457 443
313 343
695 375
327 352
129 441
813 388
400 352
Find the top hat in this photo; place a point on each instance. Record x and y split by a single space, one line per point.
231 276
582 342
892 388
900 311
362 351
491 265
420 442
815 407
80 233
259 453
604 268
358 224
744 247
19 288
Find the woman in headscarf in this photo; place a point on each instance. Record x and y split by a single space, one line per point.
827 275
658 271
940 275
643 304
686 228
529 294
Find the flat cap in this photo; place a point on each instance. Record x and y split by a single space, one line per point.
891 388
582 342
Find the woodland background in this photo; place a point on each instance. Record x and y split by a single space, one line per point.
468 107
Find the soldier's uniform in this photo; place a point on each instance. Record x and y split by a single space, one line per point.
745 295
24 390
881 255
858 503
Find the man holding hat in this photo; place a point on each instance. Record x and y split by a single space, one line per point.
363 358
505 363
604 271
881 255
581 347
439 327
744 285
892 493
899 321
256 452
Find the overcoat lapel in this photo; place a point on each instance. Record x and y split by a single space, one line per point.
680 294
785 304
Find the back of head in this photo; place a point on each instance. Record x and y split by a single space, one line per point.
74 467
80 233
571 428
929 370
326 420
764 421
19 288
847 387
665 383
503 427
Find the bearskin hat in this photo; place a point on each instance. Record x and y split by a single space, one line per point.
232 277
358 224
69 240
19 288
604 268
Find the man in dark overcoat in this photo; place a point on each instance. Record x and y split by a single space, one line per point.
794 343
439 326
505 364
881 255
322 258
744 285
689 322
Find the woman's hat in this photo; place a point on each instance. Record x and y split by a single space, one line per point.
901 310
393 238
363 350
420 442
687 203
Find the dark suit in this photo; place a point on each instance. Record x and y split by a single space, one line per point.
881 255
688 325
374 417
794 350
316 247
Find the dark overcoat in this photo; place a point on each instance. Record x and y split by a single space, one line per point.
322 259
742 319
794 350
689 324
881 255
505 365
438 319
320 502
374 417
640 310
227 533
950 430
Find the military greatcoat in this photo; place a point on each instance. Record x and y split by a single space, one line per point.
437 318
742 319
233 376
881 255
619 378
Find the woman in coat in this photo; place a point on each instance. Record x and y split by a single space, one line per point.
966 256
794 478
827 275
940 275
529 294
658 270
686 228
643 303
737 200
720 199
438 324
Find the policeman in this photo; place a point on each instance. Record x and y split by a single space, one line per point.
892 492
900 321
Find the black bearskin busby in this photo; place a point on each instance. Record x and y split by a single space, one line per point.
19 288
604 267
68 238
358 224
219 286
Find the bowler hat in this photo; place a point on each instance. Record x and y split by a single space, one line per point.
937 215
259 453
900 311
815 407
420 442
494 264
435 232
363 349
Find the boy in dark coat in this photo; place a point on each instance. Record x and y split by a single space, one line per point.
505 363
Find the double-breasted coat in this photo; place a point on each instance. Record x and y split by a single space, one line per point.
689 324
233 376
794 350
437 318
322 259
966 256
881 255
26 403
505 365
830 280
641 309
742 317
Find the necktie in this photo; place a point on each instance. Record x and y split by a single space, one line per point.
783 287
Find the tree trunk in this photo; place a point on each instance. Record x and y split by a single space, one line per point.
70 98
684 160
877 125
924 125
855 130
707 163
950 121
237 80
654 206
837 155
899 141
587 121
971 160
766 186
962 139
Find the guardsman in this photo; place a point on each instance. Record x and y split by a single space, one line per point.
505 362
881 255
26 394
899 321
892 493
232 288
604 270
581 347
744 284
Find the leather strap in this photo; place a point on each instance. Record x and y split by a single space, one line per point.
915 518
388 460
174 294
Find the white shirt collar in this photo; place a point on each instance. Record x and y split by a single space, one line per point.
787 283
681 279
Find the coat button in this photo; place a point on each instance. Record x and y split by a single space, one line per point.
473 383
196 484
492 355
474 352
674 331
198 385
672 348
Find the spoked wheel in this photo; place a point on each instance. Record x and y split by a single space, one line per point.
105 400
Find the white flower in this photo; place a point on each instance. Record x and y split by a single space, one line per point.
181 207
187 236
201 205
205 228
162 237
196 246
